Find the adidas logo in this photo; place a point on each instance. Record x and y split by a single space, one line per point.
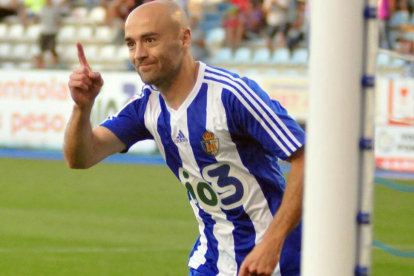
180 138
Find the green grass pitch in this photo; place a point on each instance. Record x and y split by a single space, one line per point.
129 220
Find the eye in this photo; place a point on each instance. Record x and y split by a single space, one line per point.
149 40
130 44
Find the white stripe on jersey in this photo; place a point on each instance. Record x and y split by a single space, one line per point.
190 165
256 194
222 231
178 122
277 271
151 115
256 116
198 257
240 83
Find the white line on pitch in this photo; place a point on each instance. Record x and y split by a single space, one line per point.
404 246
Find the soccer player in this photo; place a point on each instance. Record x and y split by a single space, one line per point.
219 133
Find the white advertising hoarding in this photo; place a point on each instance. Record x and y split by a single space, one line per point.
401 101
35 106
394 147
290 91
394 132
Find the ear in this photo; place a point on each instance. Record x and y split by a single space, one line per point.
186 39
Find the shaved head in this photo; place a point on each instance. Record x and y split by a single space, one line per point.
166 13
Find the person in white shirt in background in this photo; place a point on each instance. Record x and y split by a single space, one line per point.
277 19
49 18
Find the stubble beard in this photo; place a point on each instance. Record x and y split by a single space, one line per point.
164 78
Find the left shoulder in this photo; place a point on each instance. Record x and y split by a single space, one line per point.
230 79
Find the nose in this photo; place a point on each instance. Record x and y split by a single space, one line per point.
140 53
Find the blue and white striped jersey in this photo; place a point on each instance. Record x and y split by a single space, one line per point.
223 144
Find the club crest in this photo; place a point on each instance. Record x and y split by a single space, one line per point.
210 144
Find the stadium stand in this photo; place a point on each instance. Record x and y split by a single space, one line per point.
79 15
399 18
223 56
69 53
92 52
107 53
215 39
242 56
104 34
18 42
4 51
19 52
383 60
32 33
84 34
3 31
98 15
16 32
35 50
299 57
67 34
261 56
397 63
281 57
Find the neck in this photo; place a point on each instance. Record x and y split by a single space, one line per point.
178 90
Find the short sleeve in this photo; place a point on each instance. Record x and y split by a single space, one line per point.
129 123
251 112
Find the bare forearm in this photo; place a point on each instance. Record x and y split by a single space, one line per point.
290 212
265 255
78 139
83 146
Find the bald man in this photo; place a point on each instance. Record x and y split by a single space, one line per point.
220 134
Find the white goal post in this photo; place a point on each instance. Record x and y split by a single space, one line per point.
336 126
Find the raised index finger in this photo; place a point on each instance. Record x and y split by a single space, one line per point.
81 55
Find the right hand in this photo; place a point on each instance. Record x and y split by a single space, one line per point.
84 84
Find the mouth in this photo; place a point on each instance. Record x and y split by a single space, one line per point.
144 65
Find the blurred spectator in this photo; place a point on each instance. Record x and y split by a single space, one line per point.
31 10
292 11
385 9
234 26
118 11
241 4
410 6
277 19
307 23
405 46
90 4
49 16
8 7
253 19
198 46
297 30
401 5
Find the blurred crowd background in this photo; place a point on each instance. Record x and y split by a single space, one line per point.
257 35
